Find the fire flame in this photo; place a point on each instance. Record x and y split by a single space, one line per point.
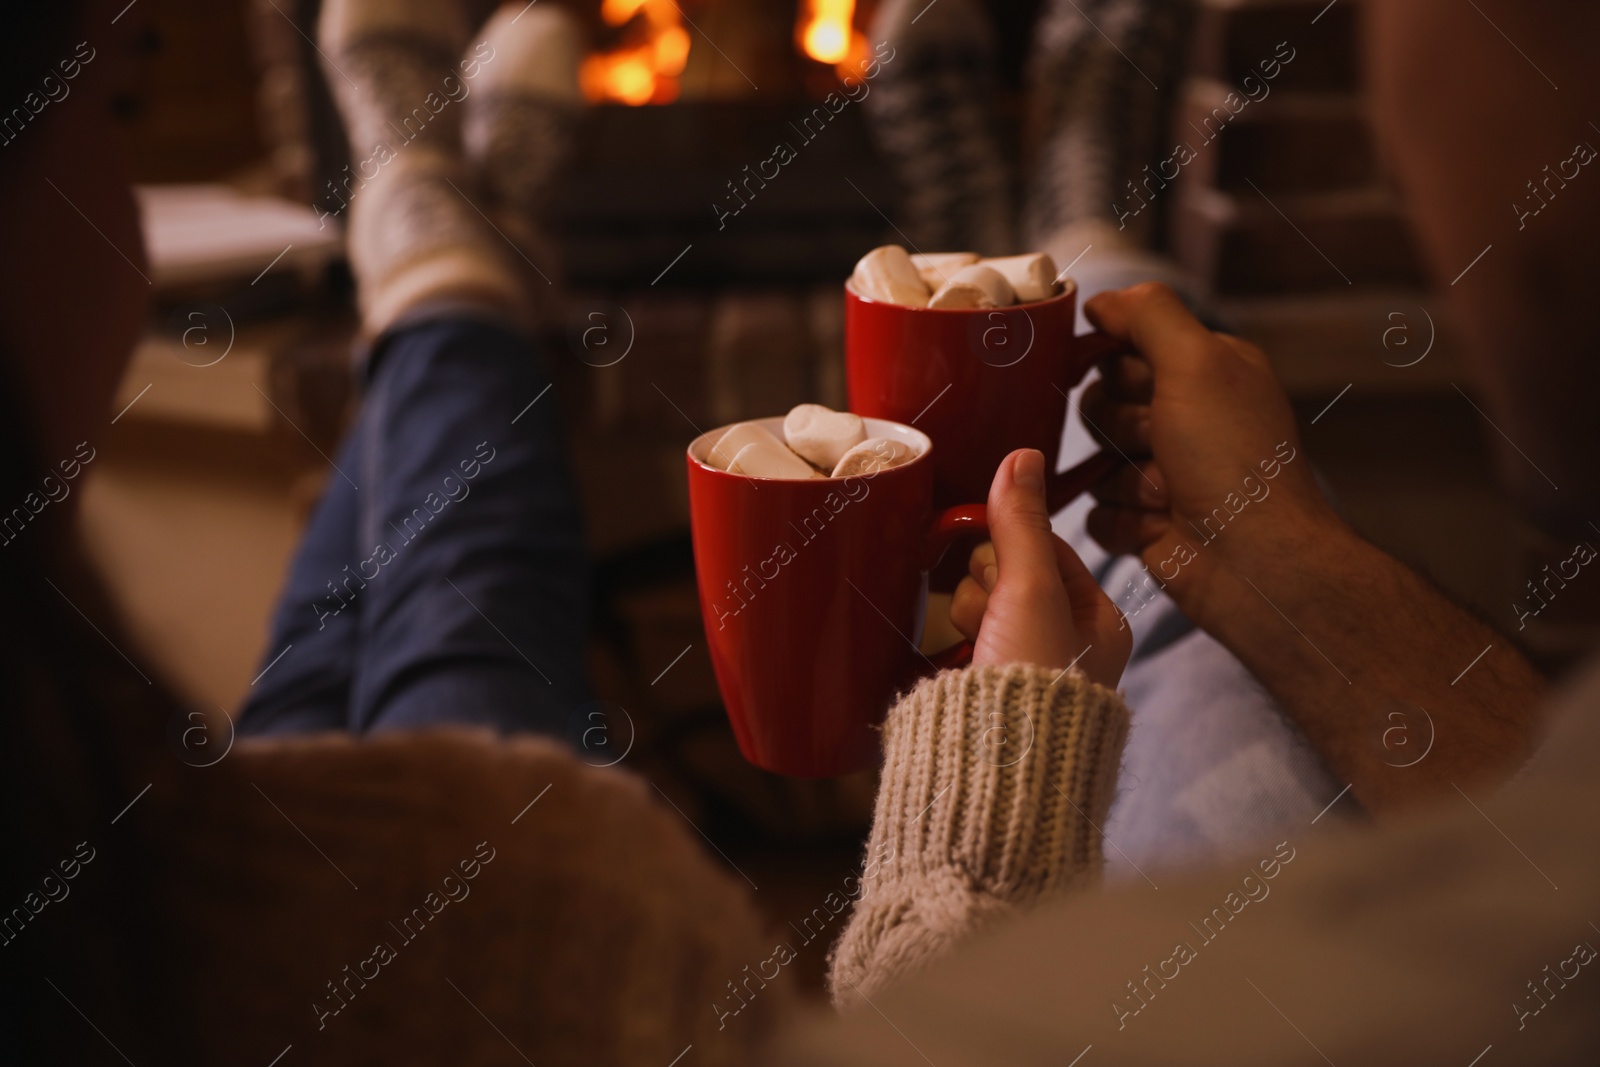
645 72
825 32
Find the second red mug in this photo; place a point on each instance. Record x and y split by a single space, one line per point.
981 382
813 595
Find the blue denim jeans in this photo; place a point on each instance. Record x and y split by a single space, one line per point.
442 578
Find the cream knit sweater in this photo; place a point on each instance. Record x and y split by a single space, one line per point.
995 781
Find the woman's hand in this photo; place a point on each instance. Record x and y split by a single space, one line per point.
1029 598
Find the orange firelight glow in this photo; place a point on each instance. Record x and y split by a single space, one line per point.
646 70
825 32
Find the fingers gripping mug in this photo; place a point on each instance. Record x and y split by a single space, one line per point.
813 595
982 382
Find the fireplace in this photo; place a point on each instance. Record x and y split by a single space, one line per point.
689 98
677 154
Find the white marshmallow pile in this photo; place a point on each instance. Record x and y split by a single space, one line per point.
817 442
954 279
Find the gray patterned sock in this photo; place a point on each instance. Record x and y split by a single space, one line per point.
933 115
1103 74
520 122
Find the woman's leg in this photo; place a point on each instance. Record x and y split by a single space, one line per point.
450 586
473 597
303 682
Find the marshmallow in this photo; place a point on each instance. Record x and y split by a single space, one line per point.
974 286
761 460
936 267
1032 276
873 455
959 296
887 275
735 438
821 435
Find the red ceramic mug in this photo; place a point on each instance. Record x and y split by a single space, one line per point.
813 595
982 382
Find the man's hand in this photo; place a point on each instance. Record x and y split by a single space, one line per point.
1218 473
1225 512
1029 598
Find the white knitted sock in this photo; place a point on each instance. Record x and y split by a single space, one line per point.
519 119
383 59
415 235
519 125
415 238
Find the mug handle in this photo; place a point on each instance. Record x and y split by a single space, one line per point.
946 527
1063 487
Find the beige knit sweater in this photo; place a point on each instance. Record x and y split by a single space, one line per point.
995 780
438 897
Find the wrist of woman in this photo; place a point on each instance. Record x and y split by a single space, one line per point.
990 770
994 783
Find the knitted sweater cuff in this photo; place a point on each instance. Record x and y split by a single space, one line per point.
995 783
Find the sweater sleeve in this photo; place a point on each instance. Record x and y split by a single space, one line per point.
995 782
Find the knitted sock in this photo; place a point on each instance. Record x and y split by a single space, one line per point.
519 124
414 236
1103 74
416 239
385 58
933 114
